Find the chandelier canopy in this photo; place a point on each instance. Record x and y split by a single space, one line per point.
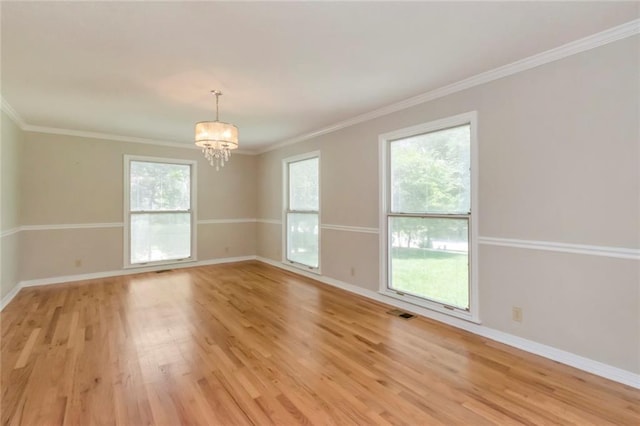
216 138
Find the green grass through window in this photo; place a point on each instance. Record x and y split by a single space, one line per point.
433 274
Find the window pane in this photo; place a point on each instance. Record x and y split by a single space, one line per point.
429 258
160 236
302 238
303 185
159 186
430 172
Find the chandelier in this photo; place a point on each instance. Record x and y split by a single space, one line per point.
217 139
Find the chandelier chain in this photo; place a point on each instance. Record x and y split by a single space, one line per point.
217 93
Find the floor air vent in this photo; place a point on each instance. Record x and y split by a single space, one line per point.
401 314
162 271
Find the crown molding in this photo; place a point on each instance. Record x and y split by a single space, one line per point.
13 114
112 137
105 136
619 32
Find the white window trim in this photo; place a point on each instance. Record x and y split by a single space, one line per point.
285 206
384 175
126 206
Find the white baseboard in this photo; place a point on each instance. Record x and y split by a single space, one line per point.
131 271
581 363
115 273
585 364
224 260
9 297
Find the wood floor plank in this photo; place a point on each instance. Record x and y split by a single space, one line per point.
249 344
28 348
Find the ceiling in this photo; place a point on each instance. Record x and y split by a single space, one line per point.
145 69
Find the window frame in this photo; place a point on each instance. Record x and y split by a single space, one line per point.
127 210
285 211
385 139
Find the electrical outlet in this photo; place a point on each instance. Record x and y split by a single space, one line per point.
353 271
516 314
78 263
226 250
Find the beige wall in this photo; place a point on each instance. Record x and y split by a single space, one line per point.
355 268
226 240
76 180
10 158
80 180
53 253
559 161
586 304
10 264
269 241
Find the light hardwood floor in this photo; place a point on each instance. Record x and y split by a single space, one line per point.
247 343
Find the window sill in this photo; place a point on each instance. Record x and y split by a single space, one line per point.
315 271
432 306
159 263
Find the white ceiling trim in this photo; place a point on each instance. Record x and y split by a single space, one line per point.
13 114
591 42
106 136
619 32
111 137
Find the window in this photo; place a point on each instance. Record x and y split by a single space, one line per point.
302 211
428 215
159 210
